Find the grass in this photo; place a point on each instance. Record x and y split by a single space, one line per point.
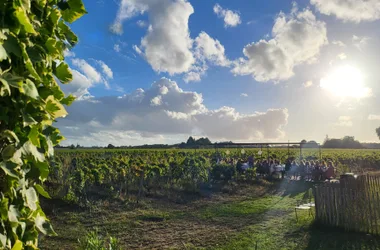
252 217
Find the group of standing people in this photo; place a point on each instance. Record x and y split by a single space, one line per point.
311 170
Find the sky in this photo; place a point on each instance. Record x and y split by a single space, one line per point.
158 71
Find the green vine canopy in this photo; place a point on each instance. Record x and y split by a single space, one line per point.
33 37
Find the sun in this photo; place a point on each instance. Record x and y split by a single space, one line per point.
346 81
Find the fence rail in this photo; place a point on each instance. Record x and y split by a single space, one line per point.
352 204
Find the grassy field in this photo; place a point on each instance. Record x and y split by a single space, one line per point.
259 216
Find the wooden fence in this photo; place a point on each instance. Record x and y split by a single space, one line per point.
352 204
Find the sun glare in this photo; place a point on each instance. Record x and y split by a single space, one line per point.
346 81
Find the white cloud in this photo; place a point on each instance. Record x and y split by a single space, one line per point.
308 84
360 42
167 44
373 117
68 53
339 43
156 101
244 95
142 23
206 51
78 86
88 70
297 38
349 10
106 70
207 48
231 18
116 47
193 76
342 56
174 112
344 121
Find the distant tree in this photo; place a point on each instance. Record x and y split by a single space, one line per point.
378 132
190 141
72 146
110 146
203 141
345 142
303 141
78 146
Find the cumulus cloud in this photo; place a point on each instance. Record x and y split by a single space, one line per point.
349 10
86 76
308 84
207 51
373 117
344 121
164 110
244 95
167 44
339 43
230 18
297 38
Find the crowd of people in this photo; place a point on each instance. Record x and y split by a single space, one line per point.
297 170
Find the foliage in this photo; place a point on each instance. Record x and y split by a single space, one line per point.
94 241
33 36
345 142
378 132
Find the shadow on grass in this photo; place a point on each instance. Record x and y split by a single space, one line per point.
321 238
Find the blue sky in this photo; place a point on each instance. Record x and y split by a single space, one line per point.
270 92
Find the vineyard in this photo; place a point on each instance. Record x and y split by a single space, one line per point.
76 172
115 189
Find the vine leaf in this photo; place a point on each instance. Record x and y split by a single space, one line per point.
18 245
34 136
55 108
24 20
29 88
42 191
3 53
44 226
63 73
31 198
74 11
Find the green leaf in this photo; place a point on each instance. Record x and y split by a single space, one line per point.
28 120
34 136
68 100
51 45
12 45
8 171
29 88
42 191
44 226
13 214
3 53
55 15
55 108
18 245
28 62
74 11
67 34
10 135
63 73
43 167
31 198
13 81
23 19
8 152
29 149
4 88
